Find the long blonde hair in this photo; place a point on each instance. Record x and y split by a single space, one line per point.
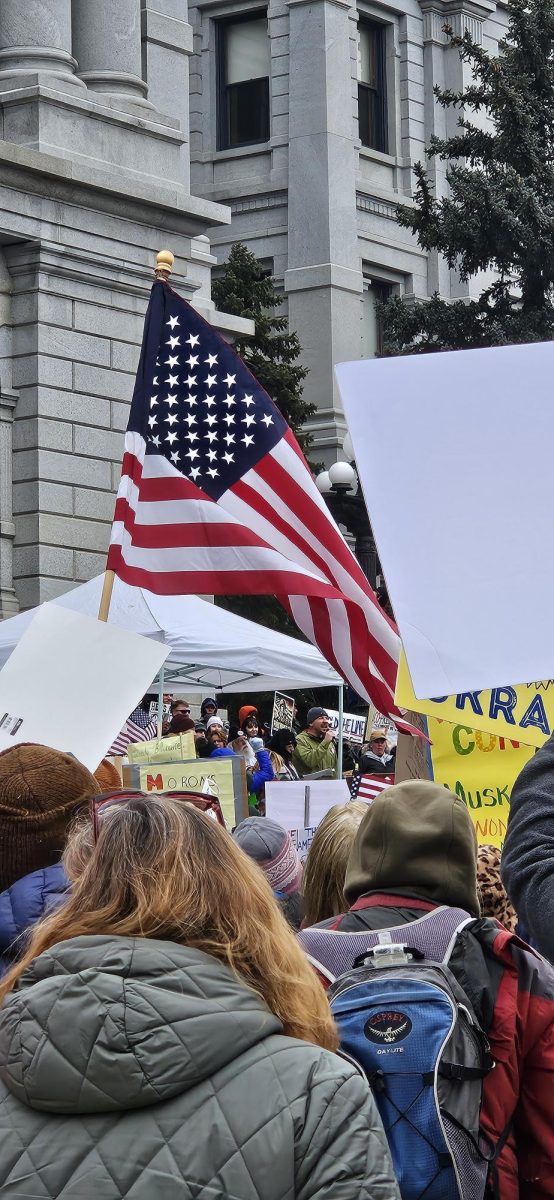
327 860
161 869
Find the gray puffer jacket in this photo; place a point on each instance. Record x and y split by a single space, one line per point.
147 1070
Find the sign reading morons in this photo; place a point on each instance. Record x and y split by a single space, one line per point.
224 778
481 769
524 713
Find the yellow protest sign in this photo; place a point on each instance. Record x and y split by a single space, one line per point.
481 769
225 777
169 749
524 713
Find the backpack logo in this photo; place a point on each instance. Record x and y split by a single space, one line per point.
388 1027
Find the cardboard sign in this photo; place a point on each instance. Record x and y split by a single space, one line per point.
63 656
225 777
463 523
525 712
353 727
178 748
283 712
481 769
412 753
302 803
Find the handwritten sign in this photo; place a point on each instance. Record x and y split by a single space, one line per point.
353 727
481 769
302 840
224 777
177 748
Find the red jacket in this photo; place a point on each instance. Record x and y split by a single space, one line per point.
512 991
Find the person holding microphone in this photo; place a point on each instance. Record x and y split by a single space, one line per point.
315 749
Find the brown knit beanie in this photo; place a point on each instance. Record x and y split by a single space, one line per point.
107 777
40 791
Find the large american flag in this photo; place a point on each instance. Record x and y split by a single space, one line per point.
216 497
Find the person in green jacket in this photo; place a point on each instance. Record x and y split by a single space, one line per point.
315 748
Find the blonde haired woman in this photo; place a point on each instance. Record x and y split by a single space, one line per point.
326 863
164 1035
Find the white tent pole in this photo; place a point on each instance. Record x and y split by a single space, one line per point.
160 699
340 738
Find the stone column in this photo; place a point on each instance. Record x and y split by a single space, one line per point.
35 46
107 45
323 281
8 601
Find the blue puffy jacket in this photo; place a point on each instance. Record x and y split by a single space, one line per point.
255 779
23 904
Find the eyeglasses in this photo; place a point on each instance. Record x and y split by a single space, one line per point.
100 803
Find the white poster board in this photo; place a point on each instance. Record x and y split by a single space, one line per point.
353 726
458 487
291 803
71 683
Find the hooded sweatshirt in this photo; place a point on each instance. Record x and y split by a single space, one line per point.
416 839
415 849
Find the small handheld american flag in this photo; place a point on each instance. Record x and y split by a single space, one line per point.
367 787
216 497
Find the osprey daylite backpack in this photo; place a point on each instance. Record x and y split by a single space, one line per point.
405 1019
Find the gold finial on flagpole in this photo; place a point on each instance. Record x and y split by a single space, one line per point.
164 264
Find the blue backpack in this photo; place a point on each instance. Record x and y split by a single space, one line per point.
404 1018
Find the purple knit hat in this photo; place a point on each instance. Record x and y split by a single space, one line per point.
273 849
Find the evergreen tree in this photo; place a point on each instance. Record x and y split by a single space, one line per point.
499 214
246 290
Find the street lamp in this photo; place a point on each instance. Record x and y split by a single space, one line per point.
343 496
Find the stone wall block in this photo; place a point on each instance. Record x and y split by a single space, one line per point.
97 443
99 382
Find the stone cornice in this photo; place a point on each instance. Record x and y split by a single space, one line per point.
108 191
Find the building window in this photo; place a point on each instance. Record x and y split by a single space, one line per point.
372 100
243 74
372 325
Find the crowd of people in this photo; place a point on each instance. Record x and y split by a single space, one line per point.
189 1010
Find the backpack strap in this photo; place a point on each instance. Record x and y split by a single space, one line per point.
333 952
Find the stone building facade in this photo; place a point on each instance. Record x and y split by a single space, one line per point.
306 117
94 179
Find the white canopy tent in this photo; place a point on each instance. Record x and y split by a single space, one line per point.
211 649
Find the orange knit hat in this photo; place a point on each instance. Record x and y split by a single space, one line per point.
245 712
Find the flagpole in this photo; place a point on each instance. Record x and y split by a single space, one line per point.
162 270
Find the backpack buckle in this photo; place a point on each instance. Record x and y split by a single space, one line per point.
388 955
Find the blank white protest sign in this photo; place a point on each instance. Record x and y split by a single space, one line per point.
455 454
71 683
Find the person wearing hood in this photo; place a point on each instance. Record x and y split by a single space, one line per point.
163 1035
41 790
416 850
208 708
282 744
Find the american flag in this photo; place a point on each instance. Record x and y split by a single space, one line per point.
139 727
216 497
367 787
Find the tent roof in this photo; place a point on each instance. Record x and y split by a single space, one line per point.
210 649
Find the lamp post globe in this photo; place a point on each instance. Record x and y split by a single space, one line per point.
342 476
323 483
